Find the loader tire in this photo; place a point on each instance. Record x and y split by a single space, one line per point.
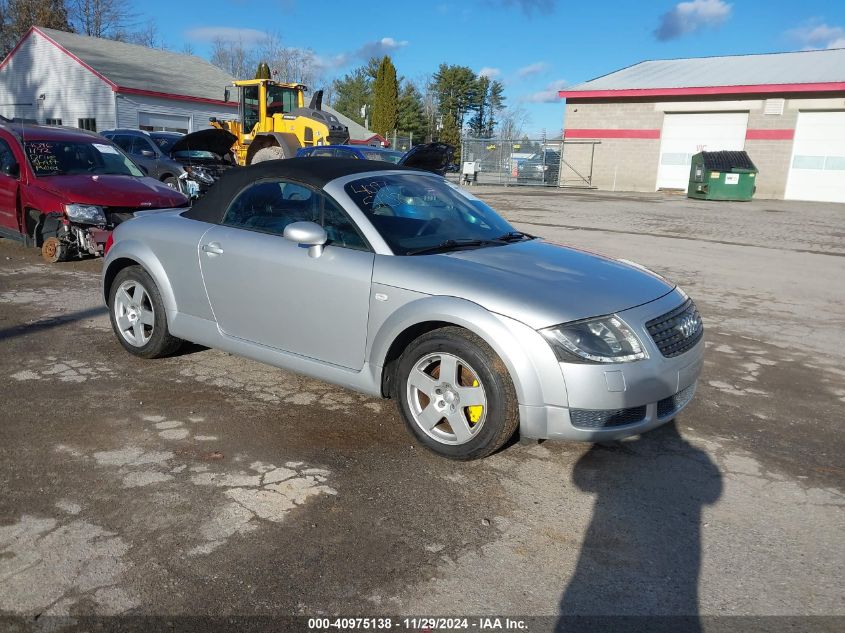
274 152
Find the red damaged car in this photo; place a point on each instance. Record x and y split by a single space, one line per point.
64 190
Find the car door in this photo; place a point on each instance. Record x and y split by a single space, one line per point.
143 149
9 184
265 289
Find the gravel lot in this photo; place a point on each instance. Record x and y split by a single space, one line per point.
211 485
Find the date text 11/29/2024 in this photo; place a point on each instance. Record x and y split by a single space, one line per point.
421 624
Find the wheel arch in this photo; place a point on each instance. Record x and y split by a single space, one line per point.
421 316
127 253
269 139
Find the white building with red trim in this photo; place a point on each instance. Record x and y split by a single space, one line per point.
787 110
60 78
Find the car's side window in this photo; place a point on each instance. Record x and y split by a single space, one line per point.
323 153
123 141
339 228
7 158
345 153
141 144
270 205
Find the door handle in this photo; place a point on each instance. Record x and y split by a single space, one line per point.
212 248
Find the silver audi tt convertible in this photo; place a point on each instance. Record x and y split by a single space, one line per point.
396 283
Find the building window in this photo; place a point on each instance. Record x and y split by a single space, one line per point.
53 121
88 124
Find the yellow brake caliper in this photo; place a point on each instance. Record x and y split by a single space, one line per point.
475 411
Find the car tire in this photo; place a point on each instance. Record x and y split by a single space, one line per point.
138 315
53 251
274 152
171 182
436 410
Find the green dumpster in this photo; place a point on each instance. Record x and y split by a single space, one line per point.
722 176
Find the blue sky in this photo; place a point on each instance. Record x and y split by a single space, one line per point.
533 46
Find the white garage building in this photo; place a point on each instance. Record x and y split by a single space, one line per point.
60 78
787 110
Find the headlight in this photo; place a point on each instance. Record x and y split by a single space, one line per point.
602 340
85 213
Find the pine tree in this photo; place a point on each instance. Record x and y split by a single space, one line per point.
263 71
351 92
411 115
385 98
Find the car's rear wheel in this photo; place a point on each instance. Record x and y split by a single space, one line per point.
456 395
171 182
138 316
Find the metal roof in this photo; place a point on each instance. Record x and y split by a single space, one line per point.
142 68
775 69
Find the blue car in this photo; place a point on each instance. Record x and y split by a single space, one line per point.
361 152
434 157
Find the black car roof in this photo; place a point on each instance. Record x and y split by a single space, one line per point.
307 171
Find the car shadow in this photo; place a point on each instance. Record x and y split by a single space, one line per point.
641 555
50 323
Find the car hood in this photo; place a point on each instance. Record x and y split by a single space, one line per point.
434 157
212 140
536 282
112 191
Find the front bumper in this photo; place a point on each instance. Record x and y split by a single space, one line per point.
612 401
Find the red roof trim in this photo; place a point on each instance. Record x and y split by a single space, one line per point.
111 84
16 47
769 135
165 95
606 133
72 56
833 86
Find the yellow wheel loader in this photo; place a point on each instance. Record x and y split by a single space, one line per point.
273 121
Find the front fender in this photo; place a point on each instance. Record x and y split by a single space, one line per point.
137 251
530 361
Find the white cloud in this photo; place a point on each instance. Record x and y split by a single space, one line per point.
376 48
549 94
531 69
688 17
819 35
226 33
489 72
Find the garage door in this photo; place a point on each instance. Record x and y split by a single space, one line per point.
687 134
153 122
818 158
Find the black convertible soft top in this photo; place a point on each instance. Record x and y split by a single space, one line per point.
314 172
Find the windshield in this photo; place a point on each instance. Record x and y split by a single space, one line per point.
165 142
61 158
386 156
416 212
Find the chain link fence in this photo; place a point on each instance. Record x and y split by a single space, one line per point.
541 162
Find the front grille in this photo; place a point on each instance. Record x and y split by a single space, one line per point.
606 418
670 405
677 331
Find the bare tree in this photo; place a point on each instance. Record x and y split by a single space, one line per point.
512 122
233 58
102 18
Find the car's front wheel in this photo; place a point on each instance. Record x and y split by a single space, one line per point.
456 395
137 315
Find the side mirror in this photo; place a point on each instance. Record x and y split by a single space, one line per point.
308 234
13 170
148 153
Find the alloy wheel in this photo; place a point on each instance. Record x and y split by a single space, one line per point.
446 398
134 313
